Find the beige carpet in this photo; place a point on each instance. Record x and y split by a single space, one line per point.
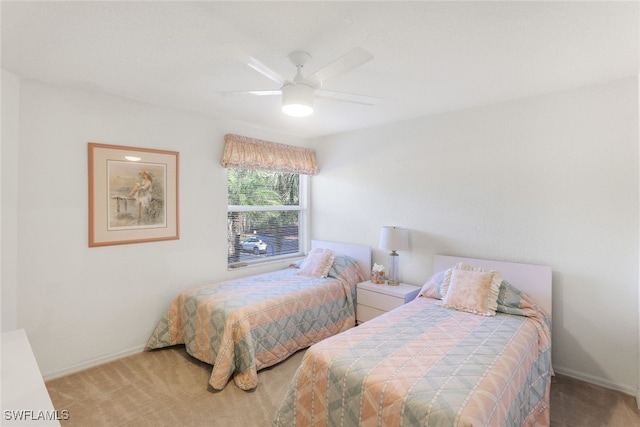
169 388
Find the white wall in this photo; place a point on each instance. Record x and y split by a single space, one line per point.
81 305
549 180
10 94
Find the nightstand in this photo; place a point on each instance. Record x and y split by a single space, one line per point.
373 300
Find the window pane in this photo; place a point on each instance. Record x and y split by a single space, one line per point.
260 227
263 188
259 235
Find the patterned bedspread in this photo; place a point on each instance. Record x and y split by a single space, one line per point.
423 364
244 325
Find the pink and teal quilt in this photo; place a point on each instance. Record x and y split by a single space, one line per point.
426 365
241 326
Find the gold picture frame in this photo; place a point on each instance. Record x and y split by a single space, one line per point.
133 195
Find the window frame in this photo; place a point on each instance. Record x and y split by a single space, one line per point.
303 224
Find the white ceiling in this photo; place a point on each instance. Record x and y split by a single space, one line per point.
429 57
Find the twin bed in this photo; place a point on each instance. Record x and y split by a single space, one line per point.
244 325
437 360
451 357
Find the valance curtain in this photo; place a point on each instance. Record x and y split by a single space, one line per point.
249 153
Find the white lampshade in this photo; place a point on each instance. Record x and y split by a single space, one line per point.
394 238
297 99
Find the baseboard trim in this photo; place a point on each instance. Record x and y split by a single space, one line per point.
50 375
598 381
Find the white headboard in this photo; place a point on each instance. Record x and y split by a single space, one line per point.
534 280
360 253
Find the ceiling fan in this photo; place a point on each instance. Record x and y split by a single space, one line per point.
298 93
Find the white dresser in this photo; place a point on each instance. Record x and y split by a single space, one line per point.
25 400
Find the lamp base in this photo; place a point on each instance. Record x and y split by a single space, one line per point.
394 269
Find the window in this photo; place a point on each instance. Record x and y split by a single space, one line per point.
266 215
267 197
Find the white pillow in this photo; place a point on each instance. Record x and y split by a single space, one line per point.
473 289
317 263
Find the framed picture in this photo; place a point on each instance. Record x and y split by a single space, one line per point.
133 195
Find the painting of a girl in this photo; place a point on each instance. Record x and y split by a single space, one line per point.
141 184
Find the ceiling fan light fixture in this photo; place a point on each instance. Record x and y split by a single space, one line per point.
297 99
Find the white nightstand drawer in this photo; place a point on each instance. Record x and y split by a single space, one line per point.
374 300
378 300
364 313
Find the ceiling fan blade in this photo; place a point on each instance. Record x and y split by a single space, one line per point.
264 70
254 63
346 62
251 92
347 97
